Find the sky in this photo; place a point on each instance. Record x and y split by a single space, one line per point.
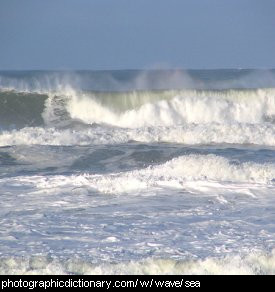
136 34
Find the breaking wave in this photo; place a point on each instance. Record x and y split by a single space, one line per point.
139 109
177 173
184 116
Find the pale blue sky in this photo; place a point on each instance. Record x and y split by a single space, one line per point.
128 34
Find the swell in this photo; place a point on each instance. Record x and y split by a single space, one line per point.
18 109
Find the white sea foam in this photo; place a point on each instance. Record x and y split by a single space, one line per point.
194 214
178 172
254 263
259 134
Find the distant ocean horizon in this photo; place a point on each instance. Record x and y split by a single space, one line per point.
137 171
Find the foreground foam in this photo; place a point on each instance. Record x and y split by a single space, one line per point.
255 263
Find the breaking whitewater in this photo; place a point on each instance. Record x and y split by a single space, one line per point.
137 172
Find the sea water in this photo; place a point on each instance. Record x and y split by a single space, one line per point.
137 172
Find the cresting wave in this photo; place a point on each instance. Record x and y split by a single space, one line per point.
253 264
144 108
150 109
69 117
140 206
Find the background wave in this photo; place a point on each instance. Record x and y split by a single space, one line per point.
18 109
138 109
135 110
70 117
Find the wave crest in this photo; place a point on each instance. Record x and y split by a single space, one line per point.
176 108
190 173
189 116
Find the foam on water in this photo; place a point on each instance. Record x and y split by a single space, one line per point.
178 171
252 264
138 206
208 171
259 134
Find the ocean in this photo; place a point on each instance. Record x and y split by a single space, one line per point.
137 172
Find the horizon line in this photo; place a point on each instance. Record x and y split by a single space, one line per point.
142 69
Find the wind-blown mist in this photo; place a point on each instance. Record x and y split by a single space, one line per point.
128 80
